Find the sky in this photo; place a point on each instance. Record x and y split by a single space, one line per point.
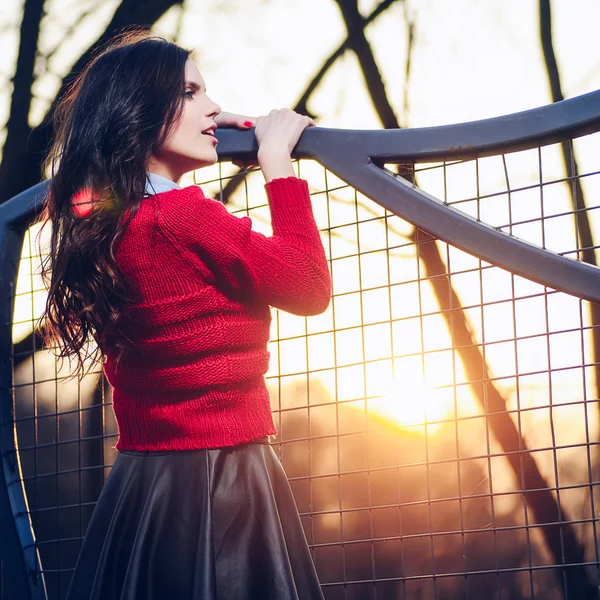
472 59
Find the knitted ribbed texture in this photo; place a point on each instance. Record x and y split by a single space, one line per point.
207 280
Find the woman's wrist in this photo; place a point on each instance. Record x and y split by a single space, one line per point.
275 164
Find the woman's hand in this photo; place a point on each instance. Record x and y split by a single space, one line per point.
280 130
277 134
226 119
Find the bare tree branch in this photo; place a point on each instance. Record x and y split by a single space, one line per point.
410 43
302 105
582 222
70 31
577 198
24 148
179 23
361 47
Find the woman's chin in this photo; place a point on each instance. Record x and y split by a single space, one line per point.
207 160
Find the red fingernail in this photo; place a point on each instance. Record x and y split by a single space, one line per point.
248 123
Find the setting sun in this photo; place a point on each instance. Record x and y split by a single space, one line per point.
411 402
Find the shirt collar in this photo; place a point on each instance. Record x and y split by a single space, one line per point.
157 183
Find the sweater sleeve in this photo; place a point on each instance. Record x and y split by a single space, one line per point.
287 270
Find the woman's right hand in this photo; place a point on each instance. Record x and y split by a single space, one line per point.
280 130
277 134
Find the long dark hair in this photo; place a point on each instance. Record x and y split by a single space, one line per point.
108 123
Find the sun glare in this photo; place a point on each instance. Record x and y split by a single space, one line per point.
412 403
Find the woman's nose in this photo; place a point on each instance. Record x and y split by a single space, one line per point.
216 109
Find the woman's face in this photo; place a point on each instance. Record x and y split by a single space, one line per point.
187 147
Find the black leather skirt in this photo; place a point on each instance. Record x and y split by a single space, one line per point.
215 524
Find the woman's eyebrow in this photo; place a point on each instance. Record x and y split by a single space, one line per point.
193 85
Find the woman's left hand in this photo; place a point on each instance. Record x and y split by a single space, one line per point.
226 119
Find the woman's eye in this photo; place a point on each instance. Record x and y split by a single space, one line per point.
189 94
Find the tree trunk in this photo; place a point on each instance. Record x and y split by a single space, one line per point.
18 168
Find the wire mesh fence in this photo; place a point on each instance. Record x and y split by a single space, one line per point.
438 423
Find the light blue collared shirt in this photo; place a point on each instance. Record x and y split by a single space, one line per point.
157 183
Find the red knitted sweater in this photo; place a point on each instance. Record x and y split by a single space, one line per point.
207 281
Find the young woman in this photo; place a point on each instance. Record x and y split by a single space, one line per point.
175 292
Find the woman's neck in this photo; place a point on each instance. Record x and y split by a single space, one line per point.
163 170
